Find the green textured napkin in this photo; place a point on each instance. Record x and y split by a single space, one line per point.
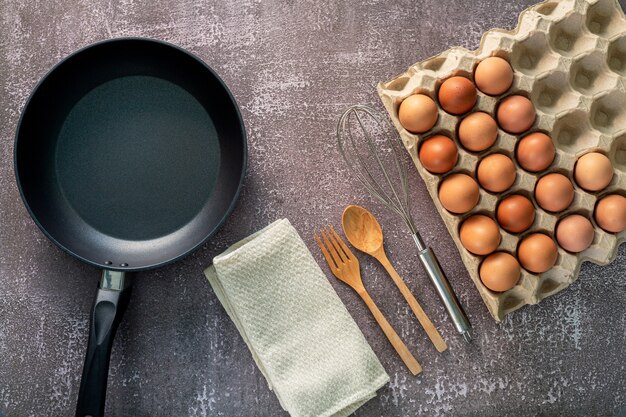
300 334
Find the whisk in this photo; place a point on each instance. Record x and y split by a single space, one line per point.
374 161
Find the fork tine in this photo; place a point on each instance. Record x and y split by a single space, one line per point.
344 257
331 249
345 248
331 262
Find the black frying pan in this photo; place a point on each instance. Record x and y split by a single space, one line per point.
129 154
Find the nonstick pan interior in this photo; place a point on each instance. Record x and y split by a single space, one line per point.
130 153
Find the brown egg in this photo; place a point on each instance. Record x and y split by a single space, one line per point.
611 213
493 75
480 234
537 253
418 113
554 192
535 152
593 171
478 131
516 114
500 271
496 173
457 95
438 154
574 233
515 213
459 193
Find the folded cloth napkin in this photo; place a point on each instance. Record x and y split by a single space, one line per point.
300 334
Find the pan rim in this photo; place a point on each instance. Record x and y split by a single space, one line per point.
211 231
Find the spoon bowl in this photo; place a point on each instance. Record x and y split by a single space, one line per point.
362 229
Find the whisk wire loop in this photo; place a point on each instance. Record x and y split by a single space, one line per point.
380 183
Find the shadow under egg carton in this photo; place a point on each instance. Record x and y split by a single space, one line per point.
569 58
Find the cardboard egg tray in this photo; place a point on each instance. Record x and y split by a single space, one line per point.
569 58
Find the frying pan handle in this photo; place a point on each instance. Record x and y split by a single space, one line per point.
109 306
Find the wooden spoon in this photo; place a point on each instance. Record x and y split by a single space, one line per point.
365 234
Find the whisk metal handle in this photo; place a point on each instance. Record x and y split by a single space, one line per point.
438 278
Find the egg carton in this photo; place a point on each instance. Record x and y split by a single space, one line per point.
569 59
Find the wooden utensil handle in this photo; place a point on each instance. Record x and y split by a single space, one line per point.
407 357
428 326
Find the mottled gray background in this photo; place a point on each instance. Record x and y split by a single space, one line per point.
292 66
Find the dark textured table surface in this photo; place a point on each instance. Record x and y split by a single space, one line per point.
292 66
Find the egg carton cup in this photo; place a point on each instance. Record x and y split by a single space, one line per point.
569 59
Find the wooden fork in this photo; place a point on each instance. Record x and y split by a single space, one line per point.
345 266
